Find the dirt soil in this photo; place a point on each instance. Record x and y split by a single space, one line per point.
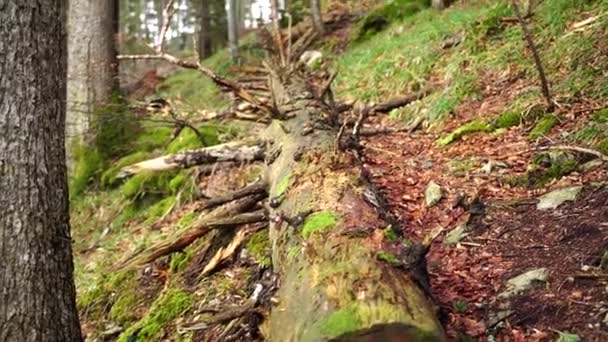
507 235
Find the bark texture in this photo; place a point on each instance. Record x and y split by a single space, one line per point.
37 294
204 33
233 27
92 63
332 284
317 19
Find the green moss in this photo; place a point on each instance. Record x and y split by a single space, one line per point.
602 146
259 246
601 116
178 182
186 220
159 209
146 183
389 234
179 261
188 139
538 176
319 223
109 289
507 120
471 127
359 316
382 17
388 257
108 178
152 138
543 126
89 163
170 305
283 185
340 322
122 311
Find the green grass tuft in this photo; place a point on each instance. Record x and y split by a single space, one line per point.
507 120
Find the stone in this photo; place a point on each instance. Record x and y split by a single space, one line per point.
432 194
556 198
524 282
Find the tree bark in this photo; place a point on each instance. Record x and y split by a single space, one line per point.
233 35
439 4
92 63
204 33
37 294
317 18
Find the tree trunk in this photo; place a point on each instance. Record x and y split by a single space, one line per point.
439 4
332 284
92 63
37 294
204 36
233 35
317 19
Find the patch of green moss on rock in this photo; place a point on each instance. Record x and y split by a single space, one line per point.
471 127
170 305
319 223
259 247
543 126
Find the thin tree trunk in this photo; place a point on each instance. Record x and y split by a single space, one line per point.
204 34
317 19
439 4
233 36
37 294
537 61
92 66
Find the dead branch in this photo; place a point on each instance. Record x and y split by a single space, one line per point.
239 151
259 187
226 315
227 252
535 55
225 216
598 154
400 101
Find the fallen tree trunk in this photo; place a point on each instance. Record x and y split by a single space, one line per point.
332 285
323 212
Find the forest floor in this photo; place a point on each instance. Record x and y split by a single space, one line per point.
482 138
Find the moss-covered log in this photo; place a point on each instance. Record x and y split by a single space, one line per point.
333 285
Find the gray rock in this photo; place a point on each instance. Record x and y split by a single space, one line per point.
524 282
557 197
432 194
456 235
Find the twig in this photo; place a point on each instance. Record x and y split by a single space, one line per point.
535 55
598 154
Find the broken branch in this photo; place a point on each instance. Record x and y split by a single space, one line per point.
240 151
